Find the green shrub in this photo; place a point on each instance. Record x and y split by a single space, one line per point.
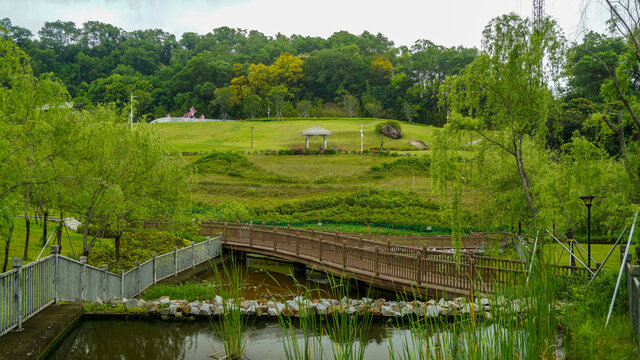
106 232
236 165
394 123
363 207
136 245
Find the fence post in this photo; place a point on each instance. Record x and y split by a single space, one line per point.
472 272
377 264
251 235
319 249
297 243
121 284
344 253
419 270
153 260
54 251
138 276
17 296
83 279
104 282
175 261
193 254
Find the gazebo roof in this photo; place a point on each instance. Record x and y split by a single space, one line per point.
316 130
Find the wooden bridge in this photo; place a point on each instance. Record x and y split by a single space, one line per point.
384 265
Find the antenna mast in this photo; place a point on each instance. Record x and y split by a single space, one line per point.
538 13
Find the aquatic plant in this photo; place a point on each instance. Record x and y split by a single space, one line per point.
231 326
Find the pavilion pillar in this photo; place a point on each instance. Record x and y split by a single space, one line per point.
325 142
307 141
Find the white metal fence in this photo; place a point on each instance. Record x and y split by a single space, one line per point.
26 290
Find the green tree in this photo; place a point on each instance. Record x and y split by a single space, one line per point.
503 91
277 95
224 99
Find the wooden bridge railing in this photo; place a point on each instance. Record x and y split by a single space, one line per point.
407 266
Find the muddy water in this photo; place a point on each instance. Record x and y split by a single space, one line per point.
266 278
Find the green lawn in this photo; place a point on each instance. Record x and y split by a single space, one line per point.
598 253
35 241
286 134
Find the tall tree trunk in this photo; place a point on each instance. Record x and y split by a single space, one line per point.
45 215
117 244
27 226
6 247
524 178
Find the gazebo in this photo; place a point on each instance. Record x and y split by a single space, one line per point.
316 131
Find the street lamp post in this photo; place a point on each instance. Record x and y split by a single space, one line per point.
588 200
252 137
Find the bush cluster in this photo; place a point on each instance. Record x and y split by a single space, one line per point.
234 164
136 245
393 123
363 207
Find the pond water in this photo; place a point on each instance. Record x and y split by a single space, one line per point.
185 340
267 278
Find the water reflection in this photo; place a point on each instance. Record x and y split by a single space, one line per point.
185 340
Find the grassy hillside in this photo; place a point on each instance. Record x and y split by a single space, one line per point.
286 134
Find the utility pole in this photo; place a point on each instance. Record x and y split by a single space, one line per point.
361 139
538 13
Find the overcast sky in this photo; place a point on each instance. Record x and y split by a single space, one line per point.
448 23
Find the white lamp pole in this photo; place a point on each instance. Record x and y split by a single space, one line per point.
361 139
131 112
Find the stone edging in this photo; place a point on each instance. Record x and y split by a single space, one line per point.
300 306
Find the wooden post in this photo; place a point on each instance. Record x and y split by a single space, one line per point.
377 259
175 261
275 242
472 272
224 232
360 237
419 269
83 279
344 254
17 296
297 243
153 261
251 235
319 249
388 245
104 282
55 250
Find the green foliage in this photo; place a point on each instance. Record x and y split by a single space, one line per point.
392 123
234 164
583 321
137 245
190 291
364 207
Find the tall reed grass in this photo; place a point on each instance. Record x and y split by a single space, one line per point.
232 326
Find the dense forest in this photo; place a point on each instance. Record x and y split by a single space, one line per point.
243 74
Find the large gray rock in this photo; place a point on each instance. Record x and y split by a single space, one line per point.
164 300
131 303
418 144
392 132
173 309
205 309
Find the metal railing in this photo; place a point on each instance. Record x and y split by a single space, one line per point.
25 290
